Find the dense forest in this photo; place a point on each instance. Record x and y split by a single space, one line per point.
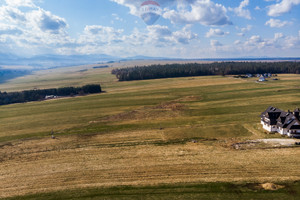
196 69
37 95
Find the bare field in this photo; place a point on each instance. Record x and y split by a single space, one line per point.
134 158
141 133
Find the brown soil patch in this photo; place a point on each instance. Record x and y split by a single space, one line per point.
170 106
271 186
189 98
265 144
163 110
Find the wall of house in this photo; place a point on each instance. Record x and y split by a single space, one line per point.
266 127
273 128
282 131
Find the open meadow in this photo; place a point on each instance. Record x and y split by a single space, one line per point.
157 139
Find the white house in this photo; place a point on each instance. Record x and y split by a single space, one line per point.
261 79
285 123
50 97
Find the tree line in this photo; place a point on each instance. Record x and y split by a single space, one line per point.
37 95
195 69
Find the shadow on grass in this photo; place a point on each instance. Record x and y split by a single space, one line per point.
179 191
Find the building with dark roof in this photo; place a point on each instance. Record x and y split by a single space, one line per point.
285 123
262 79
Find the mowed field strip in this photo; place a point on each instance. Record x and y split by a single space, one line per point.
141 133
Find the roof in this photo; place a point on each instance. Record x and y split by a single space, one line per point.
271 109
272 114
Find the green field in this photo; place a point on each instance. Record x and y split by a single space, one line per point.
164 138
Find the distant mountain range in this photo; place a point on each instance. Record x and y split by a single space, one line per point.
50 60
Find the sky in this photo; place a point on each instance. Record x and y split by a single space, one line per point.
184 28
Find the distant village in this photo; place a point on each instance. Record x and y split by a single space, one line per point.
261 77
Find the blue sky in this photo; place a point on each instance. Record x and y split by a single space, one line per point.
185 29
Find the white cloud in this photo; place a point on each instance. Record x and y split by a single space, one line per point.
255 39
46 21
186 12
158 31
184 36
12 15
100 30
257 8
278 45
148 41
241 11
216 32
9 30
283 7
215 43
31 30
198 11
164 36
100 35
276 23
237 42
247 28
257 42
244 30
291 42
20 3
131 4
117 18
278 36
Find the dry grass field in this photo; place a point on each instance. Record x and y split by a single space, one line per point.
153 133
136 159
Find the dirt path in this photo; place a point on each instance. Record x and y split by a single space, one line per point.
283 142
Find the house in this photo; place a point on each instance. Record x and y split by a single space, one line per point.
269 75
286 123
50 97
261 79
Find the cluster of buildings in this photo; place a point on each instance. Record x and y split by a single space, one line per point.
265 75
286 123
262 77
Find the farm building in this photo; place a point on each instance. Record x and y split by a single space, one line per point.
261 79
285 123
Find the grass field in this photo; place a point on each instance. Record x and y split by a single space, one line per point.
162 138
